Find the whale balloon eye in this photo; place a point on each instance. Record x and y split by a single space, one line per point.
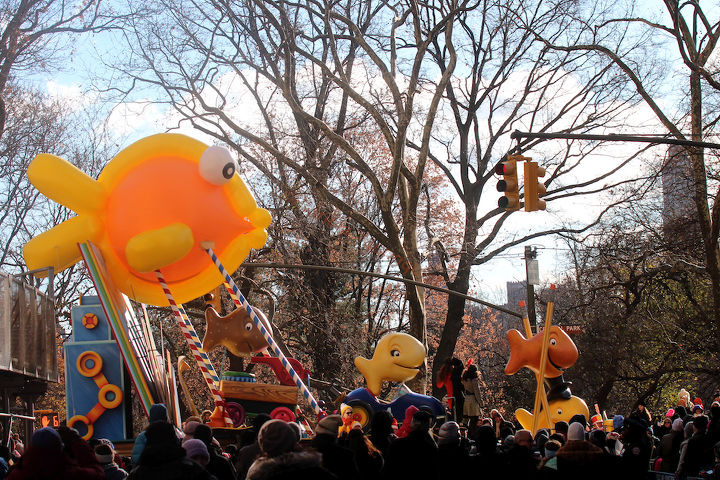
217 165
248 326
395 353
553 342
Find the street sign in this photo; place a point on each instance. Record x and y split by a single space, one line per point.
533 272
48 418
569 329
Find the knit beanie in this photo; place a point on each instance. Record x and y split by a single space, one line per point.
104 454
190 427
328 425
296 429
47 437
618 422
277 437
203 432
579 418
158 433
449 433
196 448
678 425
576 431
158 413
551 448
670 413
701 422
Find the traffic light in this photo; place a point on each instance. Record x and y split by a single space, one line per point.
508 184
534 188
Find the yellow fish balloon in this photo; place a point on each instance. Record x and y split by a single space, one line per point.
397 358
151 208
560 410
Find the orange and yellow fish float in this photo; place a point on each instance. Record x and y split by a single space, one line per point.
562 352
151 208
560 410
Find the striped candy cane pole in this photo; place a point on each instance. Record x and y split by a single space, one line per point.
206 367
241 301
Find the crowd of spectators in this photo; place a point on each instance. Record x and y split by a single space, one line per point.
683 443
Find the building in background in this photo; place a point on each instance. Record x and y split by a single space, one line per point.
679 214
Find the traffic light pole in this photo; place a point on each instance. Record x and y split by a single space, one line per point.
530 254
518 135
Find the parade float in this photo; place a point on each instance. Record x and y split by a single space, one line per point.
547 354
163 224
397 358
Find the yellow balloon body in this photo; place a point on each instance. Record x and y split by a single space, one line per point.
397 358
152 207
560 410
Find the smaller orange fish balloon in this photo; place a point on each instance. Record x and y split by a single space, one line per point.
235 331
562 352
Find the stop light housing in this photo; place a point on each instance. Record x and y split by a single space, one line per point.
534 188
508 184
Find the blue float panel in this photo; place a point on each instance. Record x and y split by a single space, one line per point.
81 333
82 392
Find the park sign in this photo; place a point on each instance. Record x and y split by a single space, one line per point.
569 329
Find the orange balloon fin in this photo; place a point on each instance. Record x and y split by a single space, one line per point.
517 352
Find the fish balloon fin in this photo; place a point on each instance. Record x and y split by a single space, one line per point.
517 357
374 382
210 340
58 247
66 184
154 249
525 418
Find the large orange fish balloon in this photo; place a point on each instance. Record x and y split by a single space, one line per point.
562 352
151 208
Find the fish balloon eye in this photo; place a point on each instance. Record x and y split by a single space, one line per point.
395 353
248 326
553 342
217 165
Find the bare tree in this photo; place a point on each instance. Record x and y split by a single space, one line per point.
512 80
34 33
314 72
693 30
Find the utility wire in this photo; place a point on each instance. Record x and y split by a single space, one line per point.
282 266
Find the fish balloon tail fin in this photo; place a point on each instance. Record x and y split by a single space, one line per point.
373 380
58 247
211 338
517 357
66 184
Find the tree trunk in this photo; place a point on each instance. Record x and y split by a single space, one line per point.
453 325
712 260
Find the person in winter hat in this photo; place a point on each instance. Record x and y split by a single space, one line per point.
163 457
197 451
106 457
335 458
60 455
249 453
158 413
218 465
276 437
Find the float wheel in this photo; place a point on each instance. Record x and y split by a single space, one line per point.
236 412
362 413
283 413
